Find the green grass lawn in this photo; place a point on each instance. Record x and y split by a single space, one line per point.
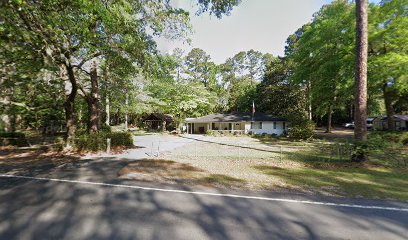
353 180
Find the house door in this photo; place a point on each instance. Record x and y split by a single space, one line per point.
201 130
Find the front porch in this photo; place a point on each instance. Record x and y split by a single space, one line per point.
221 127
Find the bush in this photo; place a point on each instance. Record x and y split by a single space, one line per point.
304 130
390 137
119 139
405 140
13 138
213 133
106 128
12 135
97 141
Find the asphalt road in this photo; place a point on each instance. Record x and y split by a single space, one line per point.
44 209
85 208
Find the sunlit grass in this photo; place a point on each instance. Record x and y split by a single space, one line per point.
346 181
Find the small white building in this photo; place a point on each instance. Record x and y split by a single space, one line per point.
400 121
241 123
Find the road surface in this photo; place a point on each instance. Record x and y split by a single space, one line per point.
86 201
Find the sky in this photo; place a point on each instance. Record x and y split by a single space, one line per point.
262 25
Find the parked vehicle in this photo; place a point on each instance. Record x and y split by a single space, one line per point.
369 124
349 125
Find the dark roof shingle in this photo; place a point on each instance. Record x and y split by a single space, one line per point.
237 117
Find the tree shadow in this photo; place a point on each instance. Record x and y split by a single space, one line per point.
52 210
40 209
171 172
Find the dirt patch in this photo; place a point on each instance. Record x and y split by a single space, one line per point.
171 172
160 170
27 160
336 133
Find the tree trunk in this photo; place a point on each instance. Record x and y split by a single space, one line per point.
329 119
107 103
93 101
126 111
388 101
351 111
107 109
71 89
360 116
309 87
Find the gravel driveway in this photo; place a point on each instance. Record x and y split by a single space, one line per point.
151 145
202 160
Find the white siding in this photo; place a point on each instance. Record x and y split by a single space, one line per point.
267 127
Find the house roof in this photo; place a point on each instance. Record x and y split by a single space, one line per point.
237 117
402 117
159 116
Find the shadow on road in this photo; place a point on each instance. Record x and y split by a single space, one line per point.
36 209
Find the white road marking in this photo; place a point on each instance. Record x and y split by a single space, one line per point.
210 194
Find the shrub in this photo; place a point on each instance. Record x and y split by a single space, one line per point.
106 128
12 135
13 138
97 141
303 130
212 133
405 140
120 139
91 142
390 137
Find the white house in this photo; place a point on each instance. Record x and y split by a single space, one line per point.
242 123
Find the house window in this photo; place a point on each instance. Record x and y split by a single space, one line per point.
256 125
274 125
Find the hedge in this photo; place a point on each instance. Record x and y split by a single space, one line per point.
13 138
302 131
97 141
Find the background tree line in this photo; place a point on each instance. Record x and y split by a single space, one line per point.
86 63
63 58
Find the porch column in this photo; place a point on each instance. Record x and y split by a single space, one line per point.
232 127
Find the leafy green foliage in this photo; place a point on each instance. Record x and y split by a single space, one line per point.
388 54
13 138
216 7
213 133
97 141
12 135
301 130
382 140
278 96
323 57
